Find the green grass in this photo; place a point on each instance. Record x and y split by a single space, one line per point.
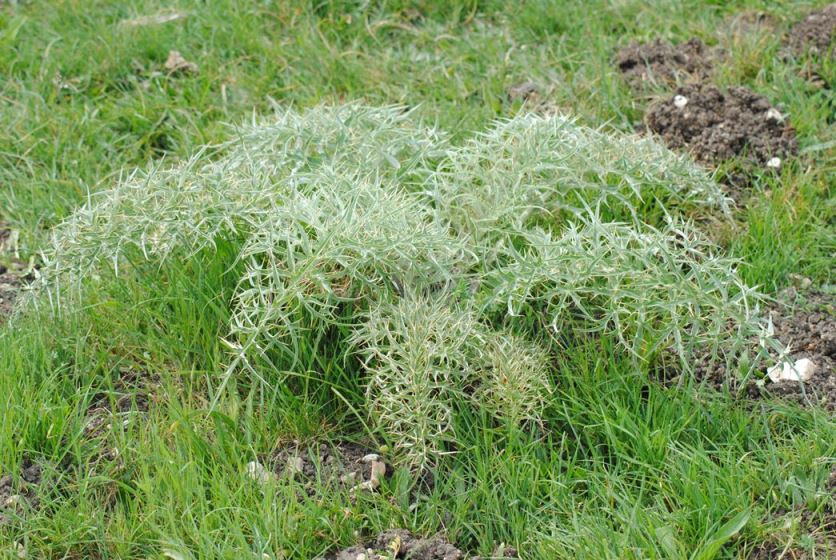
618 466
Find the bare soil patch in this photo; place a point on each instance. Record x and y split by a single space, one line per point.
815 33
806 323
716 125
399 543
12 275
131 393
523 92
345 464
19 493
661 62
10 286
533 96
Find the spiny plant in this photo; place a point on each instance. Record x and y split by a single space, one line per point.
349 240
236 187
455 274
650 289
537 170
426 356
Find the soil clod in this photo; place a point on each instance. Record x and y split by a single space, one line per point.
526 91
130 393
716 125
661 62
815 33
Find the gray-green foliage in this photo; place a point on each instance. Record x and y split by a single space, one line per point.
546 169
426 356
649 289
436 257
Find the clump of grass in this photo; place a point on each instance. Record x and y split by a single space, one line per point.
363 229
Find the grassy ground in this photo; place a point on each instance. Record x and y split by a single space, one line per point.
627 469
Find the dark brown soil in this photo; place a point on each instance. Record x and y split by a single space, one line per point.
341 464
815 33
717 125
806 322
661 62
10 285
19 494
399 543
11 275
131 393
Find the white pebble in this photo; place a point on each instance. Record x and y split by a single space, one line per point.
12 501
378 471
802 370
774 114
295 465
371 457
774 163
680 101
258 473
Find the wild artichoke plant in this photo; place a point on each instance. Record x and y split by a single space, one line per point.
455 269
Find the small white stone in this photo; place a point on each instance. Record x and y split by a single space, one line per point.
258 473
680 101
378 471
295 465
800 281
774 163
802 370
12 501
370 458
774 114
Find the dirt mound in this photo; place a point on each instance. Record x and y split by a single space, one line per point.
715 125
815 33
808 327
399 543
345 464
806 322
661 62
19 493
